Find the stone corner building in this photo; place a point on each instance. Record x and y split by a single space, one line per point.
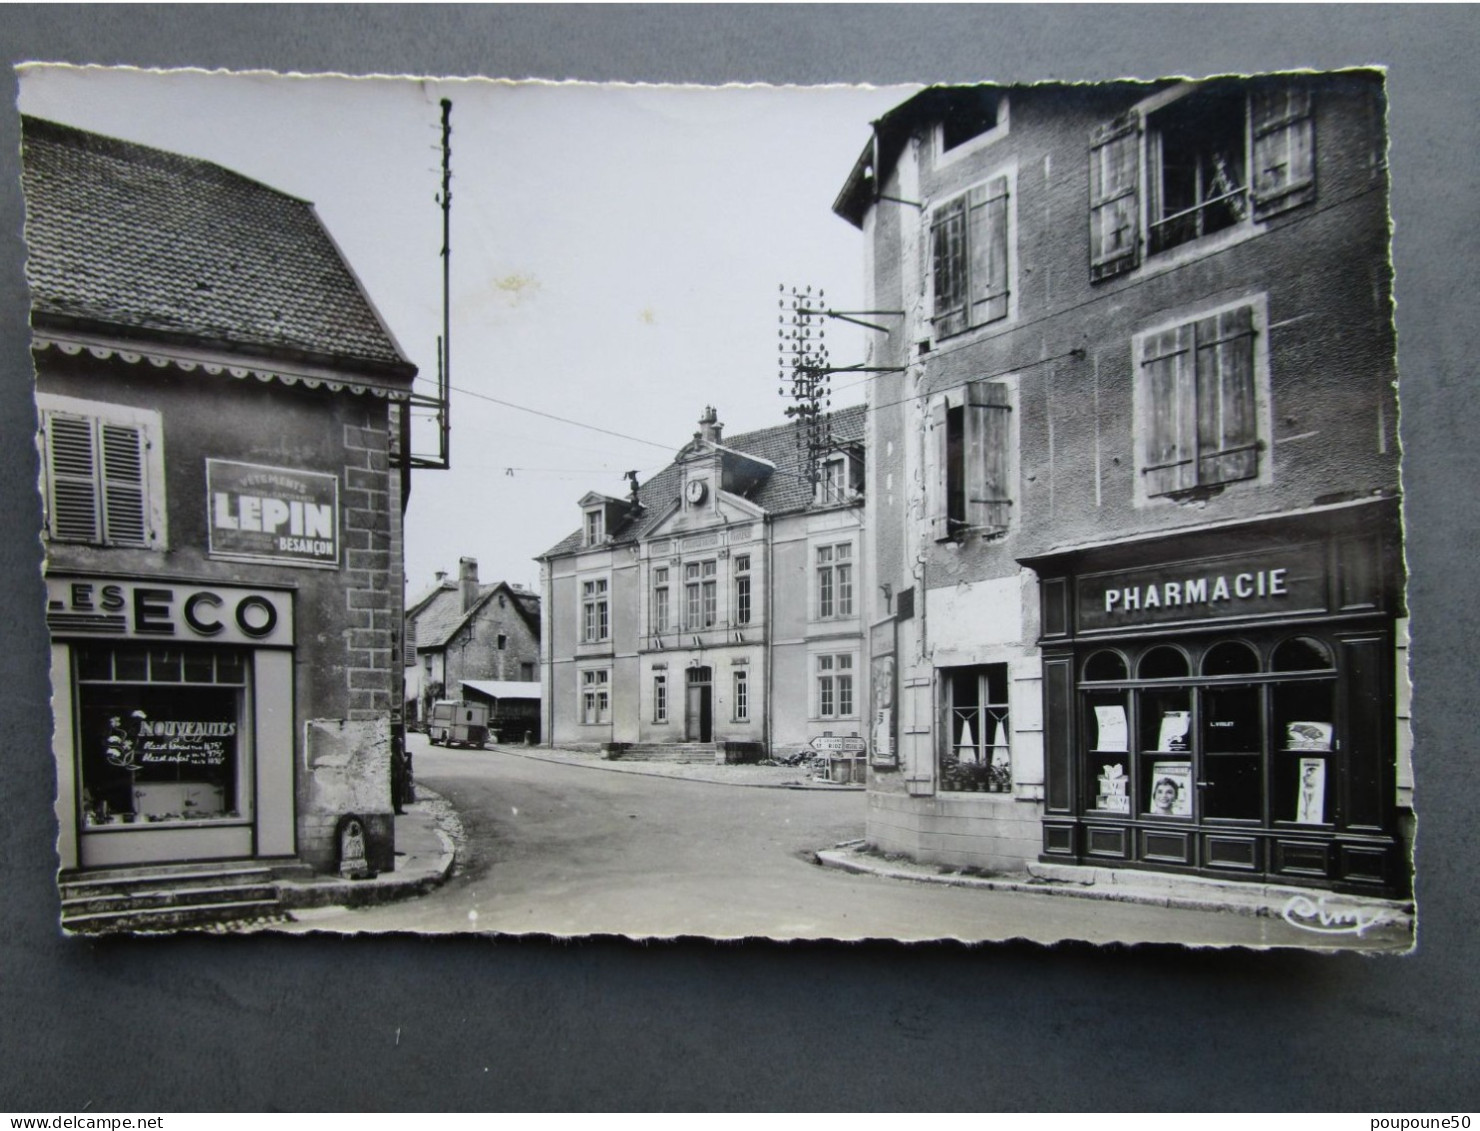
1144 534
717 612
219 426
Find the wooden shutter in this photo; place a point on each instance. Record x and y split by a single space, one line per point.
1227 431
986 239
1284 173
71 462
125 517
1114 195
937 465
1171 411
948 252
988 462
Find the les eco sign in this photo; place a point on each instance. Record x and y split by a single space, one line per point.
148 610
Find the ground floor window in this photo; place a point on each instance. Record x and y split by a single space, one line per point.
1231 729
835 685
742 697
596 704
660 698
161 733
977 753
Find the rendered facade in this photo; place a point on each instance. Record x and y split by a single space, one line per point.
720 605
1134 489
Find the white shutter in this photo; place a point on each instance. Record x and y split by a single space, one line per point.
71 463
125 510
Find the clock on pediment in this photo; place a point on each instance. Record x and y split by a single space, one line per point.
695 491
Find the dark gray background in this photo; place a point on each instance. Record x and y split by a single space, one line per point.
293 1023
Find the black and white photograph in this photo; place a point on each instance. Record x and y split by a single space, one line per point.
916 512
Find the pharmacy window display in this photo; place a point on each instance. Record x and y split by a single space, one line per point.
1213 724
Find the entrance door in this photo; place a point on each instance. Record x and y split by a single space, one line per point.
700 721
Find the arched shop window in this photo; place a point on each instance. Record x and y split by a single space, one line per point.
1230 657
1237 743
1301 654
1105 666
1164 662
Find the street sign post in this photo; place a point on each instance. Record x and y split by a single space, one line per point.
832 744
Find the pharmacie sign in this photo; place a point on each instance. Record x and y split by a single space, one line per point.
1270 583
162 611
272 514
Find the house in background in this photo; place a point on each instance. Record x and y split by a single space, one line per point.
719 610
1135 481
464 630
219 404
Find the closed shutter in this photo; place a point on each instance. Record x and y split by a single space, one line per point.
71 462
948 251
1171 411
1284 173
1114 191
1227 433
937 461
988 455
125 518
987 243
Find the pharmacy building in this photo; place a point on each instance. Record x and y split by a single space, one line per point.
1133 496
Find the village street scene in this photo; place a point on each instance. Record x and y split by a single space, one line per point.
963 512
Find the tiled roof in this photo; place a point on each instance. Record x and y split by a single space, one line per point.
786 489
440 617
127 238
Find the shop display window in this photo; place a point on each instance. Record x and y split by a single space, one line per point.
1221 730
160 734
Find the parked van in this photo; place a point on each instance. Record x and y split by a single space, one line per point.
456 722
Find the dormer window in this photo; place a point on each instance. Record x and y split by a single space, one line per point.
972 115
595 527
839 478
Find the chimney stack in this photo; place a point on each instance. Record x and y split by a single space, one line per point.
710 429
467 569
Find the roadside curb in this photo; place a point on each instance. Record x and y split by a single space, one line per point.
1270 902
622 767
417 875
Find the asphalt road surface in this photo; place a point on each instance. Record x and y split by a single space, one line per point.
554 849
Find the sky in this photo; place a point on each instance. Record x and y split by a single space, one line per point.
617 255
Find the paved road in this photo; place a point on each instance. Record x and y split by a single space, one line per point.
575 850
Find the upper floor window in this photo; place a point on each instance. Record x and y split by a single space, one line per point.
1198 403
596 622
700 594
835 580
742 588
503 642
969 243
595 527
103 473
660 599
1206 159
976 115
839 478
526 672
970 484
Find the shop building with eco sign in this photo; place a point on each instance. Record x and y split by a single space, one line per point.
218 410
1134 499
